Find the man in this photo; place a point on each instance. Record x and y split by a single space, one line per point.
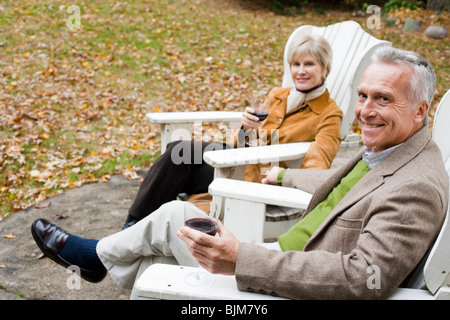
381 211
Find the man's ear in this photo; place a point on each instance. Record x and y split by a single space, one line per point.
421 111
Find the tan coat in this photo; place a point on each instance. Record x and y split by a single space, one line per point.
371 241
318 120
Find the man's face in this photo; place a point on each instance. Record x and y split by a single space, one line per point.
382 110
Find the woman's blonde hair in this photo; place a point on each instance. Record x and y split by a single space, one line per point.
314 44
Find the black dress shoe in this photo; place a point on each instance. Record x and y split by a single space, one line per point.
129 222
51 239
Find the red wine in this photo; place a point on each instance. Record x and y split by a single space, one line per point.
261 114
203 225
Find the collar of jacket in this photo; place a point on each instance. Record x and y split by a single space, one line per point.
317 105
406 152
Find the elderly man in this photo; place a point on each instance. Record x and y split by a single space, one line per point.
381 210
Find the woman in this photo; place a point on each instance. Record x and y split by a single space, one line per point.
304 112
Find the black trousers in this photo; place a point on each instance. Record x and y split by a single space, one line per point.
180 169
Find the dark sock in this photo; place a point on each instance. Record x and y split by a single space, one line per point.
82 253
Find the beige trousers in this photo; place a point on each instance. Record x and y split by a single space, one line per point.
128 253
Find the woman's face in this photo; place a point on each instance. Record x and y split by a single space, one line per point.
307 72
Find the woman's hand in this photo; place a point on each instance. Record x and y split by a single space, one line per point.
249 120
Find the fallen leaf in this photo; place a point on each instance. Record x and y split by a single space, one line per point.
43 205
2 265
76 170
34 173
8 236
60 216
130 174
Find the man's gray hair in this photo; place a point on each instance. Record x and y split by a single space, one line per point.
423 80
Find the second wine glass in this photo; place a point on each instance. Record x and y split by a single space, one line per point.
260 110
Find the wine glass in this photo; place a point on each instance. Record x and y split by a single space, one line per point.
196 218
260 110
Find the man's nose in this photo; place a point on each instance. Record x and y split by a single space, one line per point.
368 109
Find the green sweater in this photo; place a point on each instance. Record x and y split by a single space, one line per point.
297 236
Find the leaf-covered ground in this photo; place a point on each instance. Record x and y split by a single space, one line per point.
72 102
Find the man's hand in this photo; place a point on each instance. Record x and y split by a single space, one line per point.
271 176
215 254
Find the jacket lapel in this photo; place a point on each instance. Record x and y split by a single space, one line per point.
333 181
371 181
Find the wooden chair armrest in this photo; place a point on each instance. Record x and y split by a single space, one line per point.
259 192
230 163
179 125
165 281
192 117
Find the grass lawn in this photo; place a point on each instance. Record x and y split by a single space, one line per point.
72 101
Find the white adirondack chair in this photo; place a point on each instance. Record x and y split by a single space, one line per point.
432 281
